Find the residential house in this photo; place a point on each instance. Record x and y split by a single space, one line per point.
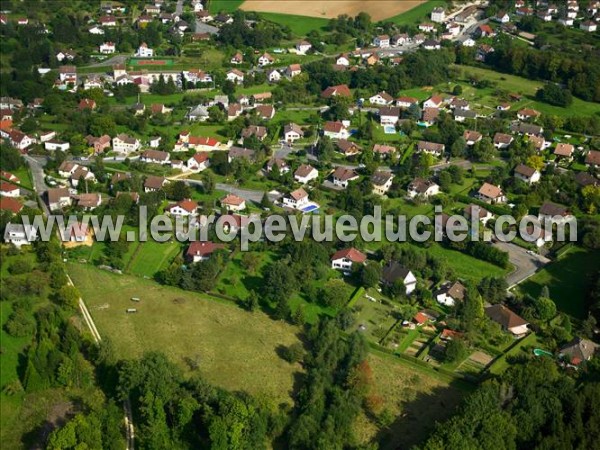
234 111
346 258
19 234
184 208
159 108
406 102
305 173
153 183
232 202
333 91
335 130
476 212
108 21
265 112
554 212
431 148
58 198
293 70
435 101
107 48
200 251
527 129
483 31
236 76
502 140
472 137
539 237
123 143
155 157
578 351
10 177
382 41
389 115
258 131
383 150
20 140
98 143
265 59
281 164
431 44
348 148
430 116
296 199
343 60
528 114
382 182
198 162
9 190
527 174
450 293
55 144
393 273
154 141
198 143
292 132
342 176
507 319
273 76
67 168
81 174
592 159
458 103
239 152
491 194
144 51
86 103
427 27
564 151
460 115
10 204
303 46
382 98
88 201
236 59
422 188
502 17
199 113
589 26
438 15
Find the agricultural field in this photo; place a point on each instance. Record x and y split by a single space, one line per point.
377 9
417 13
151 257
567 279
233 348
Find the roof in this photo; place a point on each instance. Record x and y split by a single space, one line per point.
334 127
344 174
304 170
126 138
501 138
593 157
490 191
528 112
421 318
482 211
586 179
156 155
437 99
380 177
10 204
526 128
393 111
346 146
87 103
456 290
430 146
430 114
470 135
202 248
553 209
298 194
387 97
340 89
265 111
579 350
239 152
231 199
382 148
187 204
407 100
420 185
524 170
394 271
254 130
351 254
504 316
200 140
200 157
154 182
89 200
293 127
55 194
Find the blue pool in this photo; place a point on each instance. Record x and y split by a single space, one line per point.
389 129
310 208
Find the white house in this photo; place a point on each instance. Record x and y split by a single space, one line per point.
184 208
449 293
394 272
58 198
589 26
382 41
265 59
144 51
507 319
96 30
382 182
382 98
342 176
438 15
296 199
527 174
9 190
342 60
491 194
433 102
305 173
54 144
198 162
389 115
420 187
201 250
19 234
303 46
335 130
292 132
502 17
344 259
236 76
108 48
155 157
234 203
273 76
122 143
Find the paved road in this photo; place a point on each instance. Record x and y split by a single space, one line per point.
247 194
119 59
525 264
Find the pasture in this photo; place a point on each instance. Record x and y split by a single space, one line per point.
231 347
377 9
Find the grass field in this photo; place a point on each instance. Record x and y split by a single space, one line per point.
417 400
152 257
568 280
299 25
417 14
215 6
235 349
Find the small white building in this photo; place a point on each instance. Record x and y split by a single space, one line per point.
346 258
108 48
19 234
438 15
305 173
296 199
123 143
144 51
54 144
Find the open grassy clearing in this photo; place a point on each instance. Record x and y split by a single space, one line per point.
416 14
215 6
152 257
299 25
568 279
235 349
416 399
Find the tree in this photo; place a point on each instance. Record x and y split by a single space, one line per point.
279 282
67 296
457 90
456 350
208 182
370 275
293 353
179 190
266 202
536 162
458 147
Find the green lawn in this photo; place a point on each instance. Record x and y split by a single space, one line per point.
152 257
24 177
299 25
417 14
235 349
215 6
568 280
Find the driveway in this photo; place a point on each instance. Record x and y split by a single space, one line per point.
525 264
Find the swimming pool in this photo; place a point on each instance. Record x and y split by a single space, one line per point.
310 208
389 129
